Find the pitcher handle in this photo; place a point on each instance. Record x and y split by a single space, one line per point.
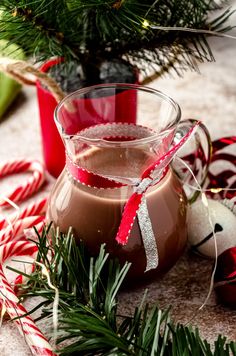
196 154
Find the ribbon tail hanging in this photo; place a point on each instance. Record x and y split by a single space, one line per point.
128 218
149 241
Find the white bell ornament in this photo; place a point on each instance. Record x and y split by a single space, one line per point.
200 234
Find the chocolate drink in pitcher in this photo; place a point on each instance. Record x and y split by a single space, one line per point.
117 132
95 214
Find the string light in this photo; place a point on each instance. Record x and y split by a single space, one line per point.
216 190
145 24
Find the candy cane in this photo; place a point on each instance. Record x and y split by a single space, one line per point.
21 230
36 341
16 231
32 184
37 208
19 248
14 243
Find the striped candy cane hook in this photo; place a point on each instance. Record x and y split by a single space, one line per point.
31 186
13 243
36 341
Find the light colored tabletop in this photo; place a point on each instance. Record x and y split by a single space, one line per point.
210 97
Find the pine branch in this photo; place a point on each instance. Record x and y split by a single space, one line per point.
88 319
92 31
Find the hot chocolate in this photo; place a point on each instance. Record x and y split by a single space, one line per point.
95 214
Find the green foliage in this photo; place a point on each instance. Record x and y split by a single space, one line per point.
87 309
91 31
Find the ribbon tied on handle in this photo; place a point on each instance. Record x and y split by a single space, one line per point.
136 204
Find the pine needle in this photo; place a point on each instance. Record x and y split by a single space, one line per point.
88 323
145 33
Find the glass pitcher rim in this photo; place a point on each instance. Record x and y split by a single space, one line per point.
138 87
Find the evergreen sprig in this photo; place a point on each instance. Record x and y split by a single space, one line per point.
91 31
87 310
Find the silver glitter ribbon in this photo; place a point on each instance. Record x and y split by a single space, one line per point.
145 224
148 237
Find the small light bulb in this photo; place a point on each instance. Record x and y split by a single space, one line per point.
146 24
216 190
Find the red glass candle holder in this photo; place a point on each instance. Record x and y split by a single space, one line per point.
53 148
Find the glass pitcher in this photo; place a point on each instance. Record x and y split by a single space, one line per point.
113 134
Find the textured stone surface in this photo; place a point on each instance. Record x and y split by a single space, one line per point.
210 97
